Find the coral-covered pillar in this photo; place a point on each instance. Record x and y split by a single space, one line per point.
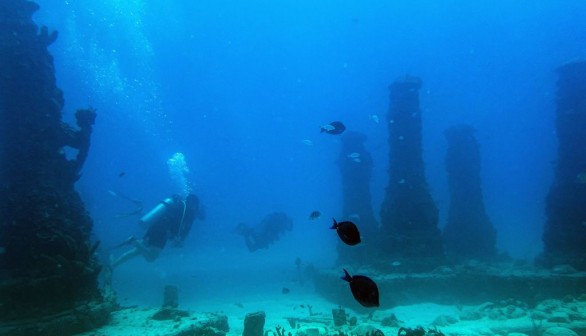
564 236
355 165
468 232
46 258
409 215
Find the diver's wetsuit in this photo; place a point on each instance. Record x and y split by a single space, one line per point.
177 217
174 223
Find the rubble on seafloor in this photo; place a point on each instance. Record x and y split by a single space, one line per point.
504 318
146 321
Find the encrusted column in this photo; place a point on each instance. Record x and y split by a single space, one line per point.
564 237
355 164
468 232
410 236
47 262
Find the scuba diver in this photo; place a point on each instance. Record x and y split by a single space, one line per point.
267 232
171 219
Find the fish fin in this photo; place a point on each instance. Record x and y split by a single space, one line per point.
335 225
347 276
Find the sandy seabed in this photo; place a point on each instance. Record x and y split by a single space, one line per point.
551 317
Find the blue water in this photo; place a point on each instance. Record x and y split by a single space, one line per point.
236 86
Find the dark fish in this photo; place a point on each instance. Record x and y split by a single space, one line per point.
285 290
314 215
363 289
121 174
335 127
347 231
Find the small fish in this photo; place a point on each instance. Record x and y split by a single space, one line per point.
239 305
581 178
347 231
285 290
364 290
357 160
335 127
374 117
2 250
121 174
314 215
307 142
354 155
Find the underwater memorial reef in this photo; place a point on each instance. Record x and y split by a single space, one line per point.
409 215
48 268
413 263
355 164
50 271
564 236
468 234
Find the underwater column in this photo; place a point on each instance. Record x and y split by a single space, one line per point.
47 262
355 164
409 232
564 236
468 232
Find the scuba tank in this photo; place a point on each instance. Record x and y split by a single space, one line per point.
155 214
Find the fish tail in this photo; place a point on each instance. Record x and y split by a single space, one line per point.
347 276
335 225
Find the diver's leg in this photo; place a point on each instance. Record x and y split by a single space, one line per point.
152 253
149 252
132 253
141 246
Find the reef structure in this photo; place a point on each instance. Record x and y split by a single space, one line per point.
470 283
468 233
47 263
409 216
564 236
355 164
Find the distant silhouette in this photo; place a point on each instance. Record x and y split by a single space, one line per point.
267 232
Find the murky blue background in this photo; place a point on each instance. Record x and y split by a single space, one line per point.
236 86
